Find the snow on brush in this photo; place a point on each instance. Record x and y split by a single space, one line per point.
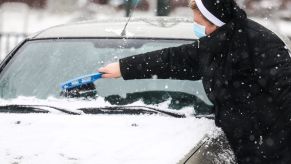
62 138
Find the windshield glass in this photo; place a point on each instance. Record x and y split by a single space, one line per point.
40 66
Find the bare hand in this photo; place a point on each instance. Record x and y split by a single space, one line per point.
111 70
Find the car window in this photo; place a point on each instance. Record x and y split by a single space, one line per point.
40 66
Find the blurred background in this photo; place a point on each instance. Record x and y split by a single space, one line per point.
19 18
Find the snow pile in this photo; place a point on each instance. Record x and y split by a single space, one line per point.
61 138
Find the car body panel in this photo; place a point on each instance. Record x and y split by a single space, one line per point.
210 150
137 28
58 138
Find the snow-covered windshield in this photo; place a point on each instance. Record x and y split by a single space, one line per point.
40 66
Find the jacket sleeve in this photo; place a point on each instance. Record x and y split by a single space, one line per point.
171 63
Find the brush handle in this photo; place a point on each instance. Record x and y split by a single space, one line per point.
81 81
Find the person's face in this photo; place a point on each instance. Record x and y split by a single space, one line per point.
200 19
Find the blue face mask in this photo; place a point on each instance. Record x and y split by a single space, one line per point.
199 30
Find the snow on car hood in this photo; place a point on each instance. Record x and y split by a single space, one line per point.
62 138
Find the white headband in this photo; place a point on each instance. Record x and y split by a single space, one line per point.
208 14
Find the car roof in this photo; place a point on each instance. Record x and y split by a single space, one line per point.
153 27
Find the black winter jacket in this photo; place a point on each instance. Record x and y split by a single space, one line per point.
246 72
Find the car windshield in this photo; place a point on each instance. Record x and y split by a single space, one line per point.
40 66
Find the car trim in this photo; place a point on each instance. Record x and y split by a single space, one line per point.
194 150
11 54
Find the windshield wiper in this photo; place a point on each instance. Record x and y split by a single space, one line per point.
131 110
178 100
32 109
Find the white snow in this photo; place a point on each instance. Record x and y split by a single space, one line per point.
60 138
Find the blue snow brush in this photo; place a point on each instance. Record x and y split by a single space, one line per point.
81 87
83 80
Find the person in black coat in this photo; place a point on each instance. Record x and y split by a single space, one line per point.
246 73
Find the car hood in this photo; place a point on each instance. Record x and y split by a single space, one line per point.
63 138
34 138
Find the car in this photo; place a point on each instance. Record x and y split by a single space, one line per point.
110 121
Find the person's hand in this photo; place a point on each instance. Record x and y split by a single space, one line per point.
111 70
